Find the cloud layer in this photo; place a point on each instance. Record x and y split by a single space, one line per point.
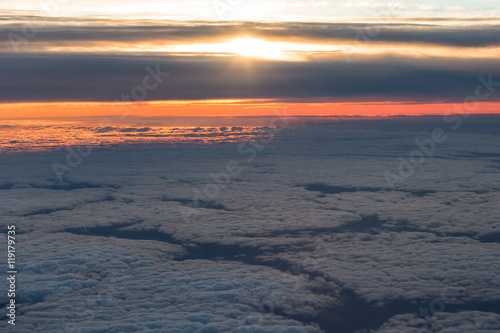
308 237
106 78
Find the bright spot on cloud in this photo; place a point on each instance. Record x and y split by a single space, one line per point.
257 48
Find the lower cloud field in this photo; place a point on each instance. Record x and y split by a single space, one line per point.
361 227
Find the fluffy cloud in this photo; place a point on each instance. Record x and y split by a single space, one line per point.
308 233
463 321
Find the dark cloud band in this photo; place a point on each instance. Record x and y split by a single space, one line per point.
105 78
384 31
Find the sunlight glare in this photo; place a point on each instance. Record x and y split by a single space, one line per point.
256 48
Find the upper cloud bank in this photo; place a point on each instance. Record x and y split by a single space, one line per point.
88 59
443 33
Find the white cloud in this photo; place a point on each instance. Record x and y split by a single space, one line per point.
264 223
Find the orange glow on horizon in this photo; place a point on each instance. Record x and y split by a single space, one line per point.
234 108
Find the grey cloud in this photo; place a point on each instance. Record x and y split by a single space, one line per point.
442 322
106 78
178 33
134 130
303 254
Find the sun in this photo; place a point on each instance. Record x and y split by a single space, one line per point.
243 46
252 47
256 48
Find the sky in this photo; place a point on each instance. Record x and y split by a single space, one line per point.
232 57
254 10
